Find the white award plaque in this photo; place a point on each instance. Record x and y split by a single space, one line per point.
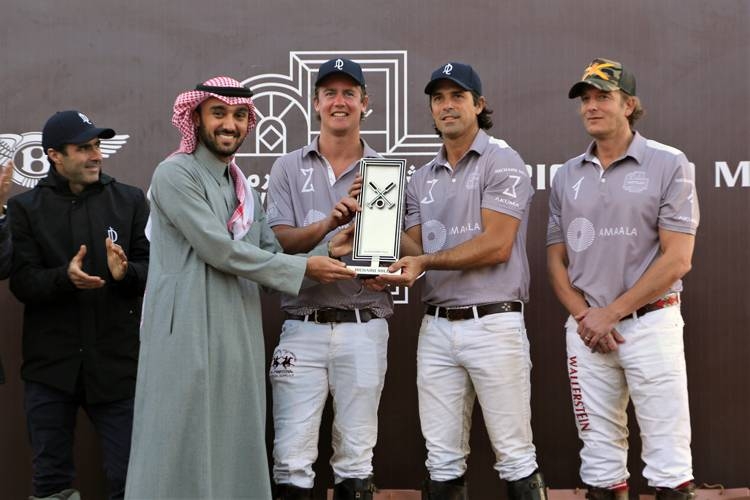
377 228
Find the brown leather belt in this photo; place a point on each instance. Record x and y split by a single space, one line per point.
669 300
459 313
331 315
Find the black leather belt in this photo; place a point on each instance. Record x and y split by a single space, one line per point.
669 300
331 315
459 313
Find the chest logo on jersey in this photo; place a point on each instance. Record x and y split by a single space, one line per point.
635 182
283 363
112 234
576 188
307 187
312 216
472 181
471 227
433 236
429 198
582 233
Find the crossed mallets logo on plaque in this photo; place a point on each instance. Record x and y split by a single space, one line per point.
380 201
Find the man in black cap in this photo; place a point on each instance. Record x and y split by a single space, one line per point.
79 265
468 209
335 336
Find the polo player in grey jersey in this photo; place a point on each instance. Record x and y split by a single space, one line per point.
468 208
335 336
623 217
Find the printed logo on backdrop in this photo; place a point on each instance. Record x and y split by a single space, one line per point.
726 175
30 161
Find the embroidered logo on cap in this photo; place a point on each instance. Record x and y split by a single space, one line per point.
447 69
339 65
85 119
599 69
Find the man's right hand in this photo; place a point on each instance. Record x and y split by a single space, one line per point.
412 268
6 175
356 188
343 213
79 278
327 270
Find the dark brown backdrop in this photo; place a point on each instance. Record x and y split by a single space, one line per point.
124 62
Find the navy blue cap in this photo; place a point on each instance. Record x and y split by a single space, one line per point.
71 127
461 74
340 65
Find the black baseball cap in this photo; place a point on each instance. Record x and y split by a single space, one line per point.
71 127
606 75
459 73
340 65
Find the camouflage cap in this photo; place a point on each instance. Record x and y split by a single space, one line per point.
605 75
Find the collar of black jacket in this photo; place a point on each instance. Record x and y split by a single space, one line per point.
59 183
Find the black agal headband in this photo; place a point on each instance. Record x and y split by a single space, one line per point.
225 91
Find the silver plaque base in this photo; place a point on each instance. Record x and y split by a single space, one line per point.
374 269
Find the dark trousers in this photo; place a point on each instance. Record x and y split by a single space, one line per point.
51 420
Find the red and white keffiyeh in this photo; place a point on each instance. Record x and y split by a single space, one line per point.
242 217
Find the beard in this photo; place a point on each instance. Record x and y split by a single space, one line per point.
213 145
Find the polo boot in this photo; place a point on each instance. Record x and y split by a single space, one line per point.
685 491
529 488
455 489
595 493
354 489
291 492
69 494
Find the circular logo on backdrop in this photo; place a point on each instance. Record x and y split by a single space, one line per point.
433 236
581 234
30 160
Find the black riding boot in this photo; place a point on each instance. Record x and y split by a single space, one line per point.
687 492
595 493
291 492
455 489
528 488
354 489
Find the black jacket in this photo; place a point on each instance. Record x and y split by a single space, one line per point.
67 331
5 248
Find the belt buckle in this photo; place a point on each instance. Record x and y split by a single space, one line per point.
456 314
318 316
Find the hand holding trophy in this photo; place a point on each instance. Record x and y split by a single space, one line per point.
377 227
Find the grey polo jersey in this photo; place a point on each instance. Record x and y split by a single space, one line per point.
447 203
609 219
302 190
